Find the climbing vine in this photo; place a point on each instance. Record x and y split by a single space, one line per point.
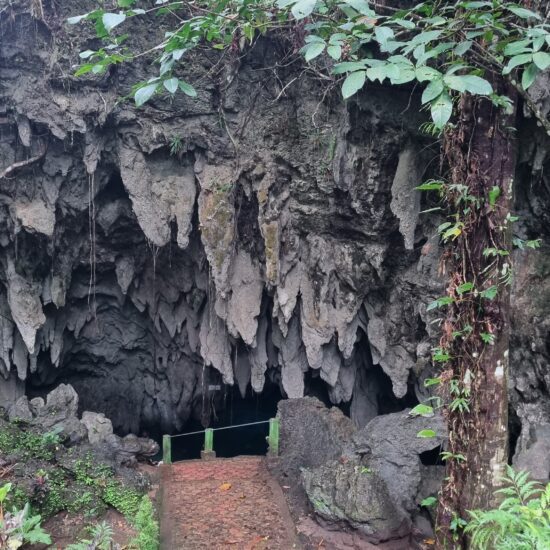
472 62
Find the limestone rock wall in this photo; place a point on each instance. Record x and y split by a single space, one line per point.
248 235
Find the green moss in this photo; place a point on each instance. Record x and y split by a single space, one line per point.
125 500
75 485
14 439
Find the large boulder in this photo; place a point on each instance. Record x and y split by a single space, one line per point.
533 452
99 427
71 430
20 410
347 491
391 441
126 451
61 404
311 434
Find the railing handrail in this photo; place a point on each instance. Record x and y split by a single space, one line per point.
208 451
221 428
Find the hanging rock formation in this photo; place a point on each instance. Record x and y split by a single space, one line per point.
247 236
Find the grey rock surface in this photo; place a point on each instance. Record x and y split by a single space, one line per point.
311 434
288 239
20 410
351 493
98 427
394 449
133 267
533 452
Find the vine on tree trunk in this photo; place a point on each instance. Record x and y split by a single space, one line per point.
480 155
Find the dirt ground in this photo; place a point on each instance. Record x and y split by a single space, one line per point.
223 504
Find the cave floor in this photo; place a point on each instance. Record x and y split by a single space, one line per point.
227 503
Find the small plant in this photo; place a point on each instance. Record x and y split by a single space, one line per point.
101 539
19 526
521 522
147 526
126 501
52 439
40 486
177 147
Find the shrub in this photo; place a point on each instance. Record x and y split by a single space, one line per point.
19 527
147 526
521 522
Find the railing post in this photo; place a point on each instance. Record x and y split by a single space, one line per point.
208 452
167 449
273 438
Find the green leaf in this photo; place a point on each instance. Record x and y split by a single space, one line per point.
314 38
171 85
83 69
383 34
523 13
362 6
468 83
126 3
515 48
405 23
76 19
464 287
406 74
335 51
145 93
425 37
426 434
353 83
494 194
111 20
430 186
427 73
440 302
529 76
348 66
487 337
86 54
429 501
313 50
441 109
516 61
422 410
187 89
303 8
463 47
4 490
490 293
431 382
432 90
541 60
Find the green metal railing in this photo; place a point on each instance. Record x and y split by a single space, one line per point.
208 450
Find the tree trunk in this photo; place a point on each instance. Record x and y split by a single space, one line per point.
480 154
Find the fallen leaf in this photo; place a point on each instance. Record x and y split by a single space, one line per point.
225 486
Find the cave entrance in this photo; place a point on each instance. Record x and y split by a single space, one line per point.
232 409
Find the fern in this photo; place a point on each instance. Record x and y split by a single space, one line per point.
147 526
521 522
101 539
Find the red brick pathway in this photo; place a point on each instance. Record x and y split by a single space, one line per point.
231 503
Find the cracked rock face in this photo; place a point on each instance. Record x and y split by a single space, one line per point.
148 255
